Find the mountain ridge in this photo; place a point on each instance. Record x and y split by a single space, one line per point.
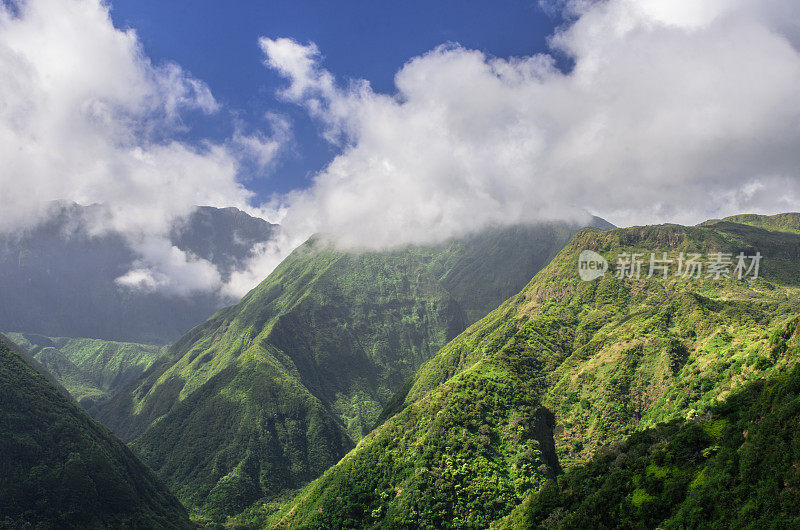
785 222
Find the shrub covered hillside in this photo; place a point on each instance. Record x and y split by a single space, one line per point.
272 391
606 357
60 469
734 467
782 222
92 370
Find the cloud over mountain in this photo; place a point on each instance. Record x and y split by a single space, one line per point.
85 116
670 111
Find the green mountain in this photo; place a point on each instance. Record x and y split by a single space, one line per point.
92 370
61 469
272 391
560 371
734 467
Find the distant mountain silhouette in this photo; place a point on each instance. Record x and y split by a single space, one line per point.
57 280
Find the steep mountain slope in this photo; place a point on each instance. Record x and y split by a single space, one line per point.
459 457
605 357
58 281
484 270
60 469
92 370
735 467
272 391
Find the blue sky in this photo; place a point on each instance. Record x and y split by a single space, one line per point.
217 42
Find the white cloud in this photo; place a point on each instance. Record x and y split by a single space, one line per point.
266 257
676 110
86 117
260 148
162 264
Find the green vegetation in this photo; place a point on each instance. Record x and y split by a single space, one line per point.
783 222
734 467
482 271
272 391
92 370
609 358
458 457
61 469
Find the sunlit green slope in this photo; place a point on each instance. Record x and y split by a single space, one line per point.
61 469
92 370
783 222
733 467
606 357
272 391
